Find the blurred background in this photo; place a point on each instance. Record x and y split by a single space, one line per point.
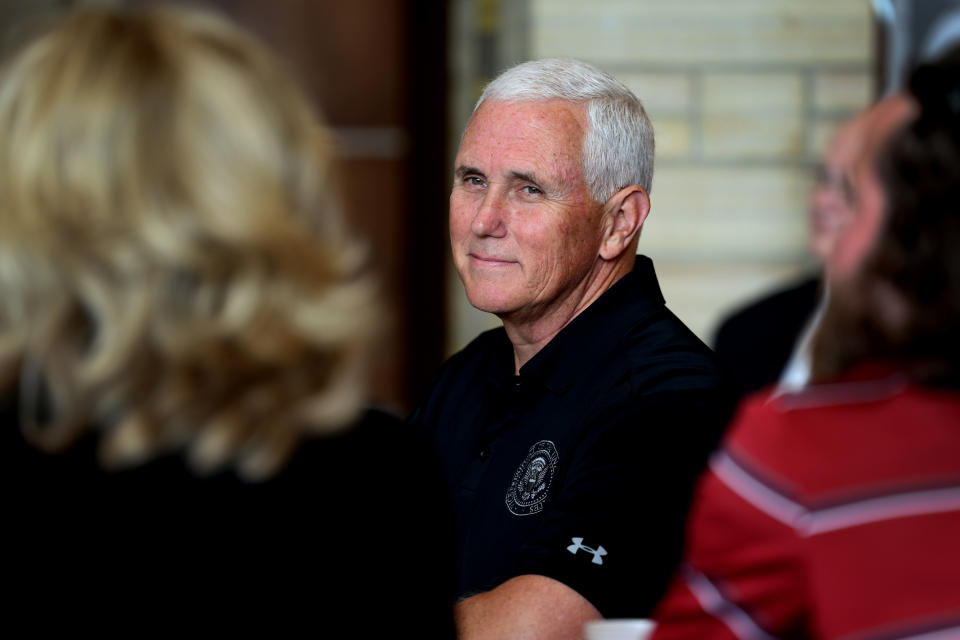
743 94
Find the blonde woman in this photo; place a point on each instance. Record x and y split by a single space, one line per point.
184 328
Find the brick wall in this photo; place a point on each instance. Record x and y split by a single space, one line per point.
744 95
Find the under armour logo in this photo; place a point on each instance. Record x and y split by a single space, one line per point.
598 553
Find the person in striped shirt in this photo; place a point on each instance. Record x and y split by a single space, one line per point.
834 511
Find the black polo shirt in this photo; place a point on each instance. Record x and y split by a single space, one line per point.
580 468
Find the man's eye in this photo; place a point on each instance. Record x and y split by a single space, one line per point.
475 181
532 190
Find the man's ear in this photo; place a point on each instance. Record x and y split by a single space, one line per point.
624 214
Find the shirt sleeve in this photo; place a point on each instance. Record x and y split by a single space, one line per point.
613 531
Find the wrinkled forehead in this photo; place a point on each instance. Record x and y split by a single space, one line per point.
561 121
879 122
542 138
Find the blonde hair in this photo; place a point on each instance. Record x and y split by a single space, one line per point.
174 266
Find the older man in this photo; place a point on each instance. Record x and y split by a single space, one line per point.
571 435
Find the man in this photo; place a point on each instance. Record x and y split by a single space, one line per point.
768 341
570 436
835 511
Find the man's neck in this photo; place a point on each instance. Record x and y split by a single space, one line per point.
530 335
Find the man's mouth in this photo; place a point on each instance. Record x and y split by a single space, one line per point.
490 260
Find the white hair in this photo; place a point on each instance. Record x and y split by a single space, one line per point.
618 144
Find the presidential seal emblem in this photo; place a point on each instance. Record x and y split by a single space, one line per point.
531 482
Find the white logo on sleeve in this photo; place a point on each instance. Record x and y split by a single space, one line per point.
531 482
598 553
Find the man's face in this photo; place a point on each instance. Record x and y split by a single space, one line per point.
853 245
832 200
524 230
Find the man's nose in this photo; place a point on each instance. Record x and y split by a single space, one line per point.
488 221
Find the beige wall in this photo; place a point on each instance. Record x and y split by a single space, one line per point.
743 95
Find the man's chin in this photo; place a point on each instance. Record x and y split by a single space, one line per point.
488 307
494 304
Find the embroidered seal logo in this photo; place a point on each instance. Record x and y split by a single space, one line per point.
531 482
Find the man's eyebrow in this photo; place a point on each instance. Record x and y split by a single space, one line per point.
464 170
520 176
525 177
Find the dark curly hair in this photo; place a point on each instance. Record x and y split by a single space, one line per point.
917 256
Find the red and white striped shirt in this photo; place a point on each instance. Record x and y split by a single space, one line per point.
830 513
